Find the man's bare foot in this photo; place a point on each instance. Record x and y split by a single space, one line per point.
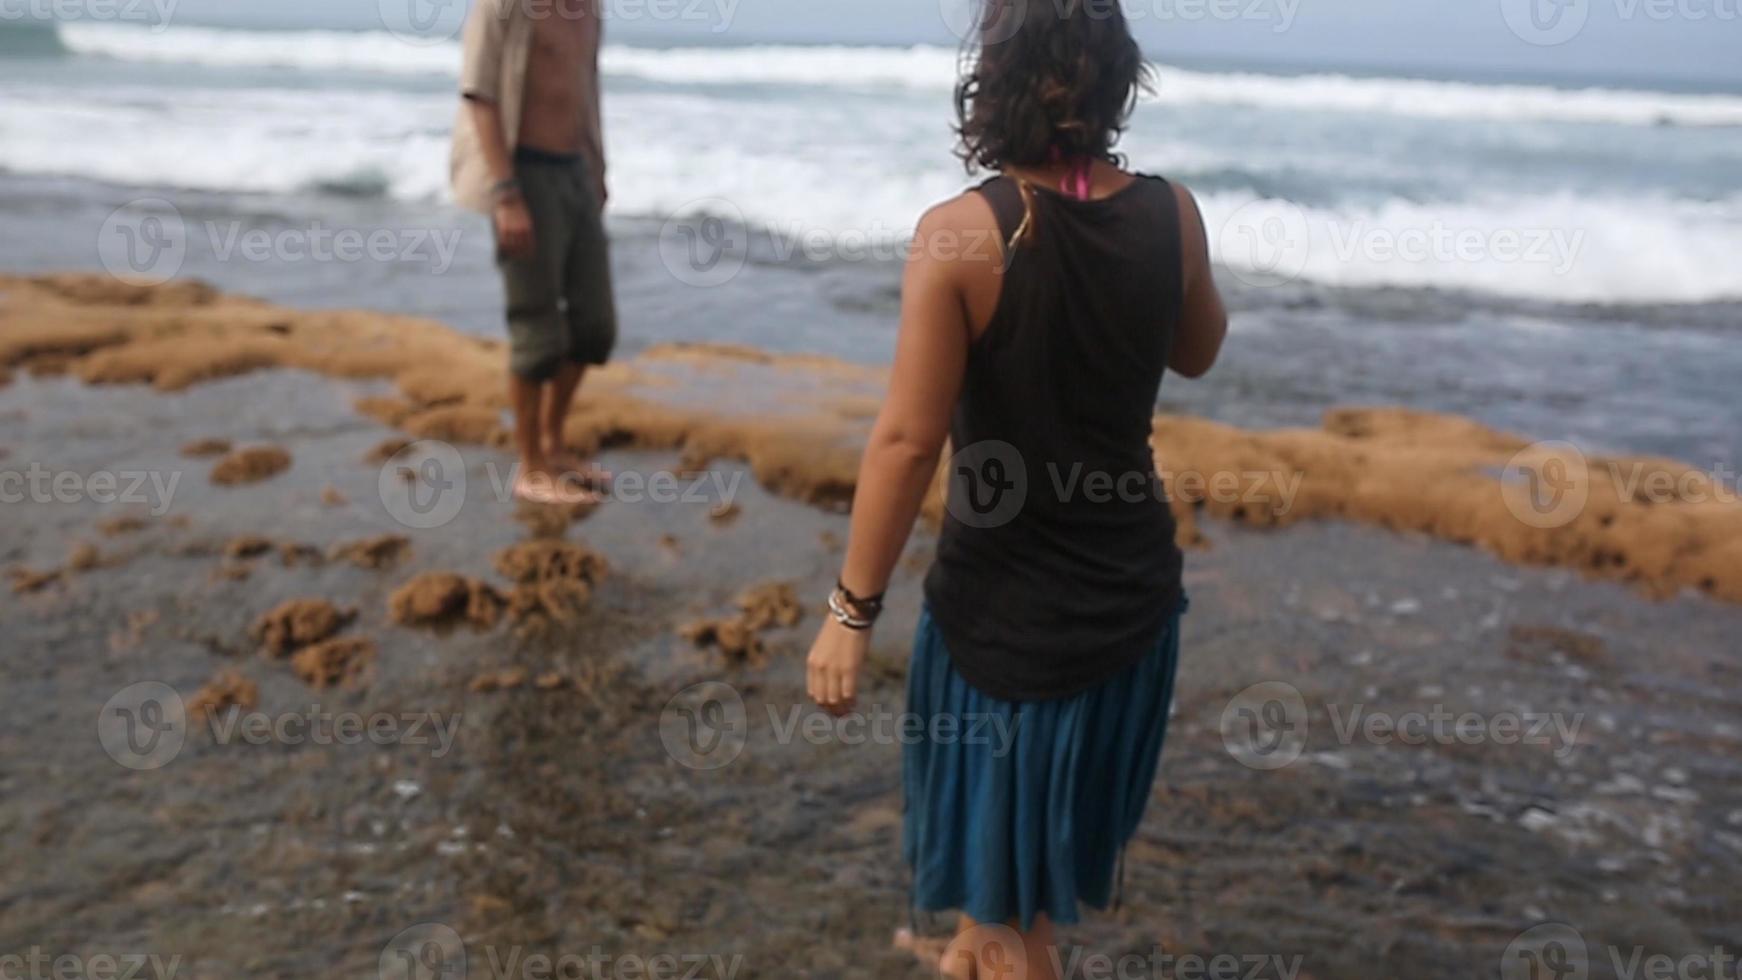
931 953
545 487
590 474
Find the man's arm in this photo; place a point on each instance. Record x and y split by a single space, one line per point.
513 221
595 123
480 86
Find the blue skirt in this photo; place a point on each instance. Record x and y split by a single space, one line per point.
1017 808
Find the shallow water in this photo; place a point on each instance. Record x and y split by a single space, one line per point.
565 823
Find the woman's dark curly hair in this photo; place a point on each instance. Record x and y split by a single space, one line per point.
1053 79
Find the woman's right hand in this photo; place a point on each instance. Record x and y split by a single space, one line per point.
513 228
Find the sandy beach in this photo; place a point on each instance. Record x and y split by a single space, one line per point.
1417 719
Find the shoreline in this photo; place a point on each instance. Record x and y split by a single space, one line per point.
797 420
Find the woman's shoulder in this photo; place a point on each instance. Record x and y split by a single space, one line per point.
959 226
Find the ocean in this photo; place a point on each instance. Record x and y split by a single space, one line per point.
1559 260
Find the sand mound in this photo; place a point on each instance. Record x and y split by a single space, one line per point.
248 546
380 552
385 450
544 560
771 605
500 680
552 520
250 465
227 690
343 662
442 600
83 557
553 579
205 447
735 639
297 623
28 580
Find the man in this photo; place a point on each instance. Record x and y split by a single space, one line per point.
529 152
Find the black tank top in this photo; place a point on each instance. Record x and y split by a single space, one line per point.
1056 567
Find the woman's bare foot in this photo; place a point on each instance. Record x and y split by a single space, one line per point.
545 487
931 953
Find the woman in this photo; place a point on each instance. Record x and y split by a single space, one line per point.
1039 313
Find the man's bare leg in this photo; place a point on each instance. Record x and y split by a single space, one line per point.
536 481
559 399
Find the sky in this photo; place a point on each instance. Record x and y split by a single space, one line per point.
1695 40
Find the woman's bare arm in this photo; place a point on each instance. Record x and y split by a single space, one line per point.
1204 320
901 457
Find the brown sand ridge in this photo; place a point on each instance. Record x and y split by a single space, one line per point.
205 447
799 421
1442 476
250 464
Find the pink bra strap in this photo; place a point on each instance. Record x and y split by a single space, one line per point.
1076 182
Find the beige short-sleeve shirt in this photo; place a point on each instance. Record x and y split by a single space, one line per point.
497 45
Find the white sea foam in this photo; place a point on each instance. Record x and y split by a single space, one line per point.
866 168
921 68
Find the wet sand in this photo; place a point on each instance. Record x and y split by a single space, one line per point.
566 810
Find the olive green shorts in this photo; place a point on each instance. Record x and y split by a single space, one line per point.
560 306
